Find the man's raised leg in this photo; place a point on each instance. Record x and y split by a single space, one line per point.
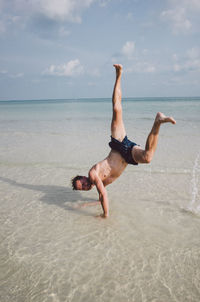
145 156
117 125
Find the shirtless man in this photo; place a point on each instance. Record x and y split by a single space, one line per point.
123 151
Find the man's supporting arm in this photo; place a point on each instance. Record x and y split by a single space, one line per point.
102 195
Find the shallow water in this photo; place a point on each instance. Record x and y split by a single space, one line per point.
53 249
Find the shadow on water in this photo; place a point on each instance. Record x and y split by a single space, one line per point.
55 195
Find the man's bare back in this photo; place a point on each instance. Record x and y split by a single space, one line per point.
123 151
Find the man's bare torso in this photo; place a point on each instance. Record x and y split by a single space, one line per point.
110 168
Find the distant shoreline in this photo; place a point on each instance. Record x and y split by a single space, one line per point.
128 99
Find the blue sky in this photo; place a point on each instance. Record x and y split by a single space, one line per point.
66 48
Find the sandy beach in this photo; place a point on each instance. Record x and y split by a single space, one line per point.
53 249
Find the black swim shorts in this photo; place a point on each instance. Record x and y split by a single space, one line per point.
124 148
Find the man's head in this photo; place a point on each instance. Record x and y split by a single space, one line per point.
81 183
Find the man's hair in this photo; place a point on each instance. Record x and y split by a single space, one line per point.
73 181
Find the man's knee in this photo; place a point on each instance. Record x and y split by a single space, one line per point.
148 157
141 156
117 108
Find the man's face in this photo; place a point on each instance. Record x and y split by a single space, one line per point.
83 184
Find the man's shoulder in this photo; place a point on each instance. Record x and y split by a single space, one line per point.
93 173
95 168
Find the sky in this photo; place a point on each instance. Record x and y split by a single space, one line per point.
62 49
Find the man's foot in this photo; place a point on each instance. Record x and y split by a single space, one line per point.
161 118
118 68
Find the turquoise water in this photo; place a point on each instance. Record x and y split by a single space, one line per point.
53 249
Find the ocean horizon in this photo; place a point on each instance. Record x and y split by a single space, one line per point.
152 98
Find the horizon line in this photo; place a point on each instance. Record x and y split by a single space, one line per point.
98 98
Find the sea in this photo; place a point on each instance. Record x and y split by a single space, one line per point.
54 248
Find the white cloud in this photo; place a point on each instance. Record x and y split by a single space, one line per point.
103 3
193 53
128 49
192 5
190 62
192 65
6 74
16 14
58 10
141 67
17 75
7 20
180 15
70 69
178 20
137 64
11 75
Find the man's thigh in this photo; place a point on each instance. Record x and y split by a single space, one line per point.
118 130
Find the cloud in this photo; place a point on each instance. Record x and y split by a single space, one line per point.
62 10
181 14
178 20
192 5
57 10
136 61
190 62
5 73
70 69
17 75
141 67
103 3
193 53
7 21
128 49
46 18
190 65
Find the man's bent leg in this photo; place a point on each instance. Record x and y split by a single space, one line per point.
145 156
117 126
